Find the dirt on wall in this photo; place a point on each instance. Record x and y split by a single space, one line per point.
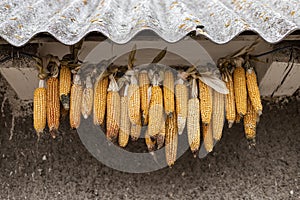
64 169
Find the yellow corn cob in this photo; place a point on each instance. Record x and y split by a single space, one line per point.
75 102
87 99
253 91
205 102
53 106
171 139
65 86
208 137
161 136
250 121
169 101
124 123
135 132
218 114
181 97
240 90
155 111
113 115
100 95
230 103
134 104
144 84
193 124
39 108
149 142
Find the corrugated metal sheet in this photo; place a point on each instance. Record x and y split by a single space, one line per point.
120 20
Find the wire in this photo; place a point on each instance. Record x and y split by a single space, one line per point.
273 51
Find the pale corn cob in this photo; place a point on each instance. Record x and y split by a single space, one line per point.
113 115
87 98
124 123
150 143
250 121
193 119
205 102
100 95
155 111
65 86
218 114
181 97
171 139
240 90
208 137
53 106
134 104
135 131
144 84
230 103
253 91
39 108
75 102
160 140
168 92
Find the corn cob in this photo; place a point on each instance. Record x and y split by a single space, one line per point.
181 97
134 104
113 110
168 92
230 103
218 114
253 91
39 108
144 84
193 119
124 123
208 137
75 102
53 107
65 86
150 143
160 140
250 121
135 132
87 99
100 95
155 111
240 90
238 118
171 139
205 102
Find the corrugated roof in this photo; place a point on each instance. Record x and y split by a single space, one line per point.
70 20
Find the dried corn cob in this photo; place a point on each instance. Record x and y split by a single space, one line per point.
250 121
253 91
149 142
65 86
205 102
113 110
181 97
124 123
87 98
193 119
144 84
39 108
135 132
160 140
100 96
75 102
230 103
240 90
208 137
171 139
134 104
168 92
218 114
53 107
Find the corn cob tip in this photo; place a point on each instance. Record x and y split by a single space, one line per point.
134 139
230 123
259 112
53 133
85 116
160 141
65 101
